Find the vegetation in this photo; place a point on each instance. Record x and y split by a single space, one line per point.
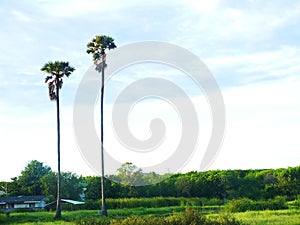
56 71
185 217
157 202
245 204
222 186
144 216
268 217
210 193
97 47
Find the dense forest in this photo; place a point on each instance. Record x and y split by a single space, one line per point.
39 179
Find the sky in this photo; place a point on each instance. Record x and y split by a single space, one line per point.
251 47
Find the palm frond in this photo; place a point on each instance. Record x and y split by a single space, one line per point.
57 71
98 45
48 78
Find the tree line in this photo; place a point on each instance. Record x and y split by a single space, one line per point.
39 179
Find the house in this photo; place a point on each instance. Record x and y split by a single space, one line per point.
22 202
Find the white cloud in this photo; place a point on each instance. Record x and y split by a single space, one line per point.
21 16
236 28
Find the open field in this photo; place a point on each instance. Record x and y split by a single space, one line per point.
278 217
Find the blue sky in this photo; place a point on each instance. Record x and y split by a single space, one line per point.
251 47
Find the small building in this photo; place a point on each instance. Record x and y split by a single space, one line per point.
22 202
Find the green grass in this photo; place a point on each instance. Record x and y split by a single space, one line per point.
278 217
69 216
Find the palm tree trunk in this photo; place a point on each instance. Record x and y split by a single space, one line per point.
58 198
103 208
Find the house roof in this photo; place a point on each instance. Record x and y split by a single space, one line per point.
73 202
22 199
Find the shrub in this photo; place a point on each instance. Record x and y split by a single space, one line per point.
135 220
93 221
245 204
189 217
225 220
239 205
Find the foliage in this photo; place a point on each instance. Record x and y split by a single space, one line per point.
70 187
205 188
189 217
245 204
56 70
90 217
39 179
269 217
157 202
129 174
30 179
98 46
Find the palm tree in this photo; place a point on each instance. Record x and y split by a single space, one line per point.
97 47
57 70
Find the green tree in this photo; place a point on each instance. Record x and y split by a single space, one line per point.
130 175
183 186
49 183
56 71
14 187
92 191
97 47
113 190
70 187
30 178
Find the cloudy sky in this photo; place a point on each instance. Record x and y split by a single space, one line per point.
251 47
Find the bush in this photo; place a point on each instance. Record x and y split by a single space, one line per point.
135 220
295 203
93 221
245 204
189 217
225 220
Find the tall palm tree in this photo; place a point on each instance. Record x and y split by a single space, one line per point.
97 47
56 71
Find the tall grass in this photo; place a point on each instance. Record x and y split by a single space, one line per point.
137 216
165 216
121 203
269 217
189 217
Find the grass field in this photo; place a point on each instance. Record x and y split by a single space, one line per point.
279 217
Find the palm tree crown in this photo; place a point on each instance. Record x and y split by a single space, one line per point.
98 46
57 71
